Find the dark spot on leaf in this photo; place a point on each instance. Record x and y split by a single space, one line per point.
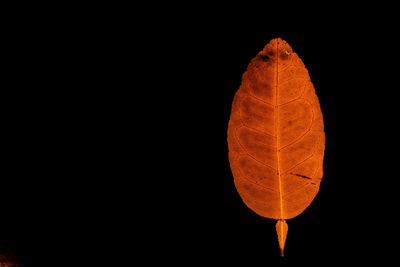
303 176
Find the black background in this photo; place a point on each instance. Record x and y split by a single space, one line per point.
116 146
351 220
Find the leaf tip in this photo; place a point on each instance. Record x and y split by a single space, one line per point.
281 230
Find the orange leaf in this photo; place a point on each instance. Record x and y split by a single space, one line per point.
276 136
